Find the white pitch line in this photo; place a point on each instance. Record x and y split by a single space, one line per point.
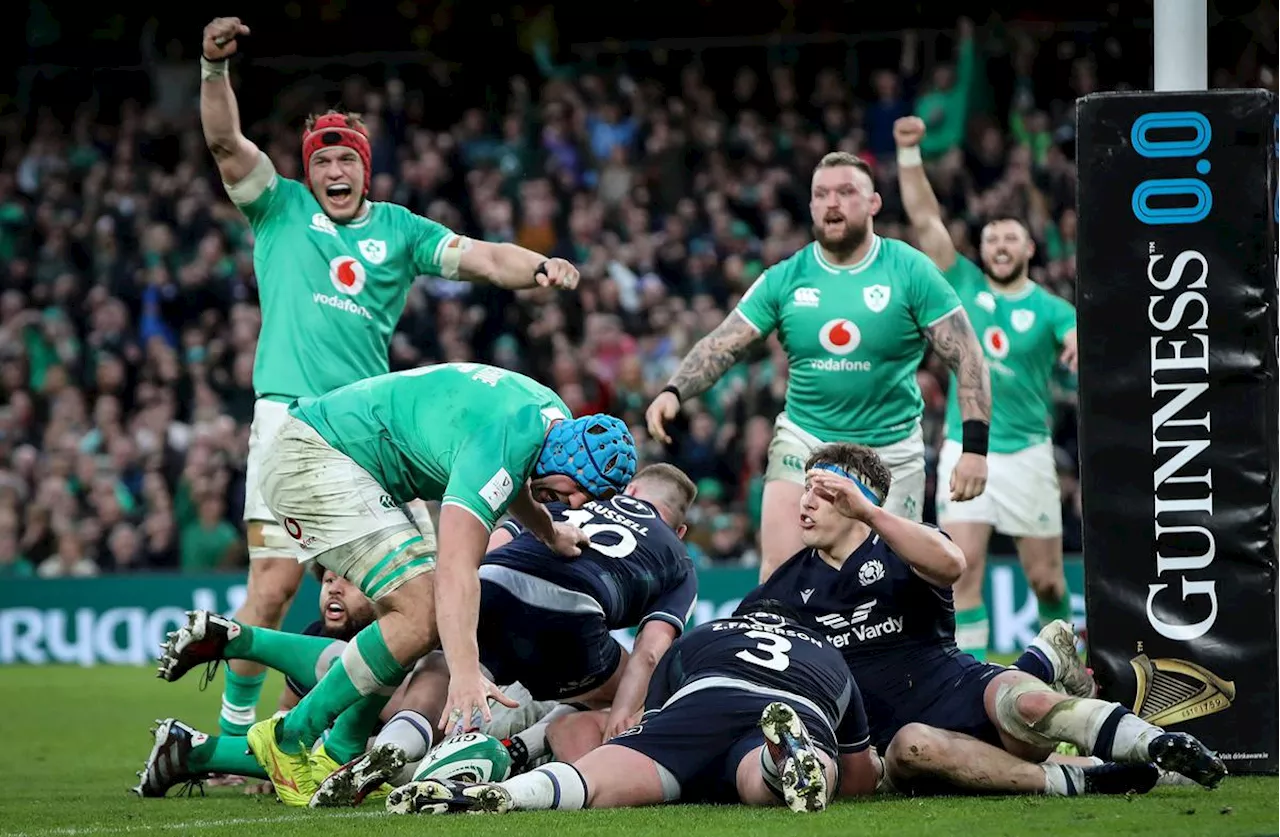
79 831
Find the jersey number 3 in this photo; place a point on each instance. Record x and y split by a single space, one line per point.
773 647
582 518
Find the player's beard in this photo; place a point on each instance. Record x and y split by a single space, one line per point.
1017 270
350 626
843 245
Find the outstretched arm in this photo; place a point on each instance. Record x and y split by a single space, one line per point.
918 198
235 155
511 266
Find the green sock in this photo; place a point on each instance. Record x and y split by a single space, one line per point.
973 631
302 658
349 735
365 668
239 702
228 754
1061 609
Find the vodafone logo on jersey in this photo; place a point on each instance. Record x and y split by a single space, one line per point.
347 275
840 337
996 342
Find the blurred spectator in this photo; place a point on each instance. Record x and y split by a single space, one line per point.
128 307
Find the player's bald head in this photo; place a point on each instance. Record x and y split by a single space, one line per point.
667 487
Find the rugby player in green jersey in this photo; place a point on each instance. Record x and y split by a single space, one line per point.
333 272
855 313
1026 332
482 441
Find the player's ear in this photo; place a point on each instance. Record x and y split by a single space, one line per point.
680 530
876 204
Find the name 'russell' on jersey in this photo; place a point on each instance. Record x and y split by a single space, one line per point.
636 567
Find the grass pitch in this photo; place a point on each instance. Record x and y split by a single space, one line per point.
74 737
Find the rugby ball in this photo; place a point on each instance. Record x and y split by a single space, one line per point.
469 757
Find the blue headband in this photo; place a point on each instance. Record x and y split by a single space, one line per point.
841 472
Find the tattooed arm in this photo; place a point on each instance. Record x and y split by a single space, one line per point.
709 358
712 356
953 340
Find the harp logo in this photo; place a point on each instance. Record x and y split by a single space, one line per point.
1175 691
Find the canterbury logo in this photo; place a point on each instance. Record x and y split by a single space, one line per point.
807 297
1175 691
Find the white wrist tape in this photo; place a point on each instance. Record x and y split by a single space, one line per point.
210 70
910 156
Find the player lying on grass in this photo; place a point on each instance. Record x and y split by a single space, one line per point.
183 754
880 586
480 440
757 709
633 572
545 622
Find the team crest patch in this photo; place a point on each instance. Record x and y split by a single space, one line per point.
871 572
876 297
1022 319
373 250
986 301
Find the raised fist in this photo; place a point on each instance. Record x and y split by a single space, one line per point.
220 37
908 131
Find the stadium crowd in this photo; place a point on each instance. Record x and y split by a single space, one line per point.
128 318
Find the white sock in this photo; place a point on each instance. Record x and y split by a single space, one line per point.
1062 779
1132 737
973 635
769 771
1099 727
409 731
556 786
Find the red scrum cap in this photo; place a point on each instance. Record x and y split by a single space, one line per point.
336 129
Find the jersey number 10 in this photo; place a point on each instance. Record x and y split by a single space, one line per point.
582 518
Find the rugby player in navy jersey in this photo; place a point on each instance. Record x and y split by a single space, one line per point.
879 586
757 708
546 621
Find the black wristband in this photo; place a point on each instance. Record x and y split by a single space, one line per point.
674 390
541 268
975 436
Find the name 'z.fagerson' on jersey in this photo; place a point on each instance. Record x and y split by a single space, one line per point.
895 630
635 567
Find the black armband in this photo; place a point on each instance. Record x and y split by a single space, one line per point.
975 436
541 268
674 390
